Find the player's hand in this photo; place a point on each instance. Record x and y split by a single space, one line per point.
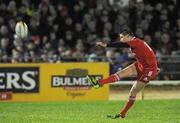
158 70
102 44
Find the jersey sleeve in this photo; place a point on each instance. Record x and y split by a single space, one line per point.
118 45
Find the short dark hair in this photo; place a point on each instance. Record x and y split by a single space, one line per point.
127 32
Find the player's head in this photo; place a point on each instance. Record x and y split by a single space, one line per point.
126 36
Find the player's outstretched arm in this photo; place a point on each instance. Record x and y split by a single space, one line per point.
102 44
112 44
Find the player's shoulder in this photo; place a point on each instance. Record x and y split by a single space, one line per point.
138 40
135 41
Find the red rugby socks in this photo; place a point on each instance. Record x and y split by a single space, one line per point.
128 105
113 78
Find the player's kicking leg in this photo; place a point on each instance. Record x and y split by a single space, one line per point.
127 72
93 82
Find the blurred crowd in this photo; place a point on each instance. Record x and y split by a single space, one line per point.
66 30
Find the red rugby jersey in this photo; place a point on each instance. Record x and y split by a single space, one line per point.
143 53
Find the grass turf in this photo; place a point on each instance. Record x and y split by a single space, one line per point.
148 111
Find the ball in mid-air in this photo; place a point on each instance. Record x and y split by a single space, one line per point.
21 29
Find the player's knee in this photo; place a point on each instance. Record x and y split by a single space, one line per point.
133 92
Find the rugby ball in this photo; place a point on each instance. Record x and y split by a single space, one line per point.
21 29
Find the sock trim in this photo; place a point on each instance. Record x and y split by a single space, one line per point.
117 77
132 98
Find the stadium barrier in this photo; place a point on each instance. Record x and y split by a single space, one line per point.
154 82
51 82
167 63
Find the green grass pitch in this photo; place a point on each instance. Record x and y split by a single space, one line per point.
147 111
